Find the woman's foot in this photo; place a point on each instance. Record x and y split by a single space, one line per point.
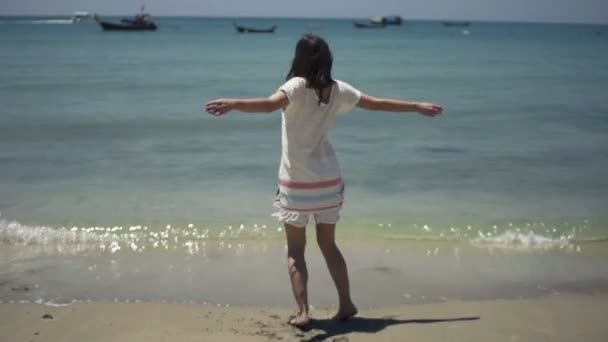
301 321
345 313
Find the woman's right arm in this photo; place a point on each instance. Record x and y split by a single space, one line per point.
394 105
255 105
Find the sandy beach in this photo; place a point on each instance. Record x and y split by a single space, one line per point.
405 290
572 317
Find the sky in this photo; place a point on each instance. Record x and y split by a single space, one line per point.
582 11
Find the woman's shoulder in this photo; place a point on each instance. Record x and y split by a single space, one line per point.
294 84
345 87
293 87
342 84
297 80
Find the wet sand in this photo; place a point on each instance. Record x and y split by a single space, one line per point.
254 274
573 317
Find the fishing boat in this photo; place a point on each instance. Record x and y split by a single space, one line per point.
388 20
140 22
243 29
456 23
369 24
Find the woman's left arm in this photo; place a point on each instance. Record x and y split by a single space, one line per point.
261 105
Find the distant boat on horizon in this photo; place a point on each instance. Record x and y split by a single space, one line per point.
388 20
456 23
243 29
140 22
369 24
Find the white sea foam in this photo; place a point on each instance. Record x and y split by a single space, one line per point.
514 239
15 233
59 305
37 240
137 238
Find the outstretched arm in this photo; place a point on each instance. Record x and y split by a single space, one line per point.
261 105
393 105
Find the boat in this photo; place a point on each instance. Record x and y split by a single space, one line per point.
243 29
369 24
456 23
140 22
388 20
80 16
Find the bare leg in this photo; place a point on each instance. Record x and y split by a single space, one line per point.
337 268
296 243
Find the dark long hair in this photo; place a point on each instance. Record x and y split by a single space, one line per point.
312 61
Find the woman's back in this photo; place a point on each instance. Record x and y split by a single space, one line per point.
307 154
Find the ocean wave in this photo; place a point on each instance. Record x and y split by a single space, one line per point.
196 238
513 239
508 240
37 240
14 233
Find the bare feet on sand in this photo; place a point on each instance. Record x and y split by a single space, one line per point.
345 313
300 320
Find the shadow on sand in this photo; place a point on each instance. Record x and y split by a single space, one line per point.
369 325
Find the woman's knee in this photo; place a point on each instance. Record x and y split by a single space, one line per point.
296 253
326 236
326 243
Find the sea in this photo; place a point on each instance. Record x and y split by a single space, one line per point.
116 185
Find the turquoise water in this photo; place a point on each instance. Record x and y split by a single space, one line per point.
116 186
103 130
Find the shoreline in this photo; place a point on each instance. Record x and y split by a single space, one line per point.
552 317
388 274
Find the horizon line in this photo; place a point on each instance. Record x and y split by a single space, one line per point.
514 21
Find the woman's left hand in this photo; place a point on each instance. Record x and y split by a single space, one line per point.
428 109
220 106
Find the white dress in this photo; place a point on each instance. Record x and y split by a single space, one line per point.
310 180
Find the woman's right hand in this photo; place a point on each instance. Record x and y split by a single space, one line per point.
220 106
428 109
